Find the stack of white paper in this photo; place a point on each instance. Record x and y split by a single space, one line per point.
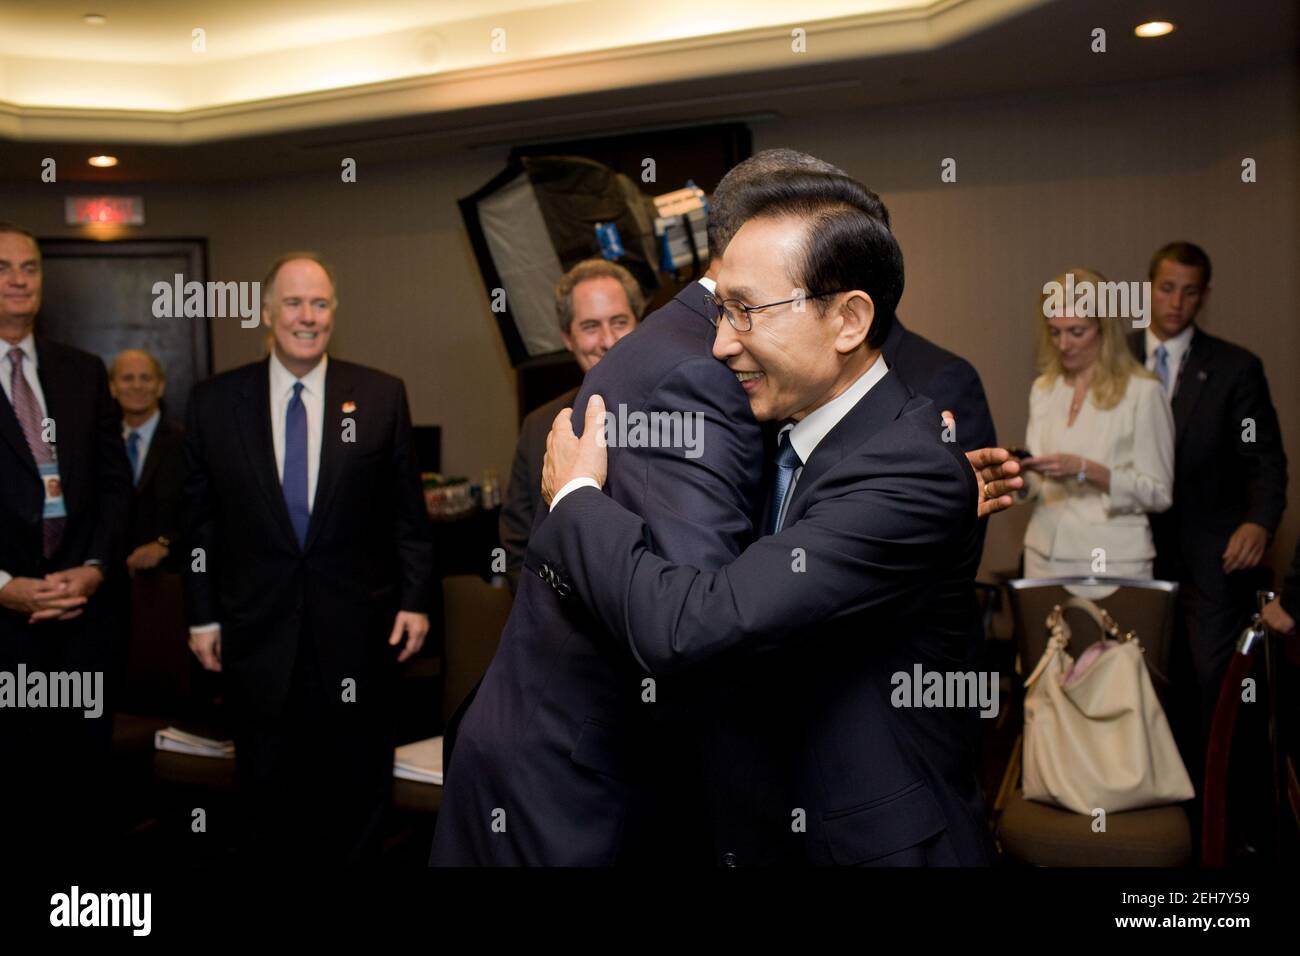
420 761
183 742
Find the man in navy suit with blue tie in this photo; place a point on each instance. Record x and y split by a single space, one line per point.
309 562
871 542
570 752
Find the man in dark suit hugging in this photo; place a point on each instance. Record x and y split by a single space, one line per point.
872 540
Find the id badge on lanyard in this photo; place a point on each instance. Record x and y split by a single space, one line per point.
53 484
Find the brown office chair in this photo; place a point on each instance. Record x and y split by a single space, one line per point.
475 613
1042 835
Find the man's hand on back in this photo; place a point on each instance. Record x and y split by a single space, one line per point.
569 457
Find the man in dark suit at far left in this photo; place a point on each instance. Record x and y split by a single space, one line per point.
63 511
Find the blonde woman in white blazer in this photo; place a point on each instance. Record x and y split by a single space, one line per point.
1101 438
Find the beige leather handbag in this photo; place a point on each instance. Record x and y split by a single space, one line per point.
1095 733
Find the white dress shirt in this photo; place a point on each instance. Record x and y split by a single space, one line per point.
146 431
313 399
1176 348
807 434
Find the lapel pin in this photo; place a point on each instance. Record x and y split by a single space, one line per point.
349 408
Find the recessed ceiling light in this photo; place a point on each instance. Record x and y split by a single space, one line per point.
103 162
1153 28
94 19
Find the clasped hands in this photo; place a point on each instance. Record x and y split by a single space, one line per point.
59 596
568 457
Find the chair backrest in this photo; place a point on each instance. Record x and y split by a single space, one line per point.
1143 606
475 613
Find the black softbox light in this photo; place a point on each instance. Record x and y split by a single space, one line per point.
536 220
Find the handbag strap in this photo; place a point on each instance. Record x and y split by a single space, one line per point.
1100 616
1105 623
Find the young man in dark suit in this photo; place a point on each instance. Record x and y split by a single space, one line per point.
313 562
1229 470
597 302
63 512
865 574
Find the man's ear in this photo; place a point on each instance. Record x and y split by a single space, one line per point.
857 313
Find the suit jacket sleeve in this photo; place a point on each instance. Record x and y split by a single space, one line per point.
876 537
961 383
696 502
113 479
201 604
169 485
517 512
411 526
1264 459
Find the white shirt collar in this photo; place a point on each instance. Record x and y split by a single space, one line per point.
710 285
145 428
1174 346
282 379
807 434
27 344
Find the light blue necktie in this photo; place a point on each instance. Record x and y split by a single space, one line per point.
294 483
787 463
133 455
1162 366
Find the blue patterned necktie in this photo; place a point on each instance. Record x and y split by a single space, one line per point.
294 483
787 463
1162 366
133 455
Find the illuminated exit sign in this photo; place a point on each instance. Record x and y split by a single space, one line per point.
119 210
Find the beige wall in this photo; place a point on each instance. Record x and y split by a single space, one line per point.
411 301
1098 178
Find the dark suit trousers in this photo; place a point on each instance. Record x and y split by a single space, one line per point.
315 783
55 761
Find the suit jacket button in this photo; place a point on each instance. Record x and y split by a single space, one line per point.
728 859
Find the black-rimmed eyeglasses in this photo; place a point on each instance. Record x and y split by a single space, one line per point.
740 315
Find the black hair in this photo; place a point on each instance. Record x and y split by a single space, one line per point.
847 242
